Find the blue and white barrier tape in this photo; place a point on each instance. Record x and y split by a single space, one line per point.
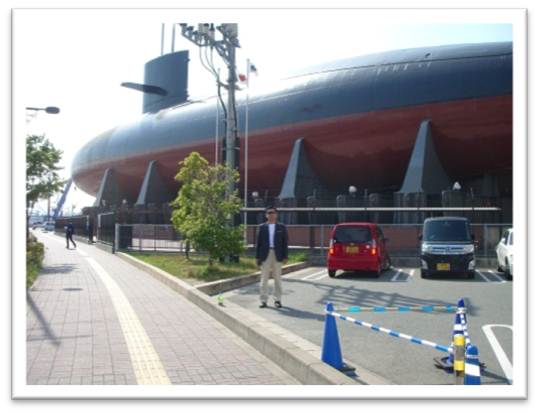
400 309
392 333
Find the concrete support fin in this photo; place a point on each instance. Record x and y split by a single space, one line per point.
153 191
109 193
300 180
425 172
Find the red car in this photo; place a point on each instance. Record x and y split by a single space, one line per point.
357 246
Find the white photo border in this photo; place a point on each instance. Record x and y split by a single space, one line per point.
516 17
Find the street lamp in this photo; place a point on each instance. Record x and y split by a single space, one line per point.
53 110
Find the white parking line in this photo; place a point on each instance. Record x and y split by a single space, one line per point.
486 279
325 274
298 273
496 276
314 275
498 350
396 275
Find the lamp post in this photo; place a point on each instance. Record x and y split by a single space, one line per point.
51 110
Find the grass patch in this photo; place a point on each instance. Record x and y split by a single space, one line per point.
35 252
295 257
197 269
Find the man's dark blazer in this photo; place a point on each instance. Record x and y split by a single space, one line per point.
281 242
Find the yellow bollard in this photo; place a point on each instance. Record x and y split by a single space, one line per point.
459 358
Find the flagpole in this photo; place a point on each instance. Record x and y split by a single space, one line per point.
245 194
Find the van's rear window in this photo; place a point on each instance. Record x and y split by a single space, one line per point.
352 234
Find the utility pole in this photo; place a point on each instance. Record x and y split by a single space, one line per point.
225 47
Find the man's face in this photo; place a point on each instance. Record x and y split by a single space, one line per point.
271 215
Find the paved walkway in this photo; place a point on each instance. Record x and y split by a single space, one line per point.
92 318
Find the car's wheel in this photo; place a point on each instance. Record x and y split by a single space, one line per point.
470 274
424 274
388 264
332 273
507 272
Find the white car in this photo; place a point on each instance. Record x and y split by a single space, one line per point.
48 226
505 254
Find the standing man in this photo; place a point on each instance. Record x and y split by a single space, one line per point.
271 253
69 231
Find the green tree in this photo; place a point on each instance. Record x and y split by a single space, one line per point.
202 210
42 178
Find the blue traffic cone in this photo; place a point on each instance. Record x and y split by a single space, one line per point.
472 366
461 304
331 353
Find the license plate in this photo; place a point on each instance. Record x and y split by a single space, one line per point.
443 267
352 250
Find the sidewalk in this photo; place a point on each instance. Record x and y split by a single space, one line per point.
92 318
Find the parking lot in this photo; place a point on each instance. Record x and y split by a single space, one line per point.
489 307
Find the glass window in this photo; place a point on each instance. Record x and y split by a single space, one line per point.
511 239
347 234
447 230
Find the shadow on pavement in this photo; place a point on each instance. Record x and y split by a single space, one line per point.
295 312
49 333
58 269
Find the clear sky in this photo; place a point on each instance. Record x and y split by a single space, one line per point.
76 60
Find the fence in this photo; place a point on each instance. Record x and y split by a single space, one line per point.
105 228
148 237
402 238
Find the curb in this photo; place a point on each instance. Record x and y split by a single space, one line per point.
220 286
290 352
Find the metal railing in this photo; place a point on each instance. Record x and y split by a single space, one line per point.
402 238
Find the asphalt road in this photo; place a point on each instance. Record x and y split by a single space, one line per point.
488 298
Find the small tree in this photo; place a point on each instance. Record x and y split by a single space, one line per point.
42 178
202 211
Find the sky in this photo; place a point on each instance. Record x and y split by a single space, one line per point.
76 59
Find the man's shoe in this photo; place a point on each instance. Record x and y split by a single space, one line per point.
278 304
263 305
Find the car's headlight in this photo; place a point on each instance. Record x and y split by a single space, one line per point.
426 248
468 249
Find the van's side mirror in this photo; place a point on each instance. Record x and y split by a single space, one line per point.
420 237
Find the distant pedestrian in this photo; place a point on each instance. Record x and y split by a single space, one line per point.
90 230
271 253
69 231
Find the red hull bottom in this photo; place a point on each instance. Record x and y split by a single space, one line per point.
369 150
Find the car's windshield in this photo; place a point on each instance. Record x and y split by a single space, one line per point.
347 234
446 230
